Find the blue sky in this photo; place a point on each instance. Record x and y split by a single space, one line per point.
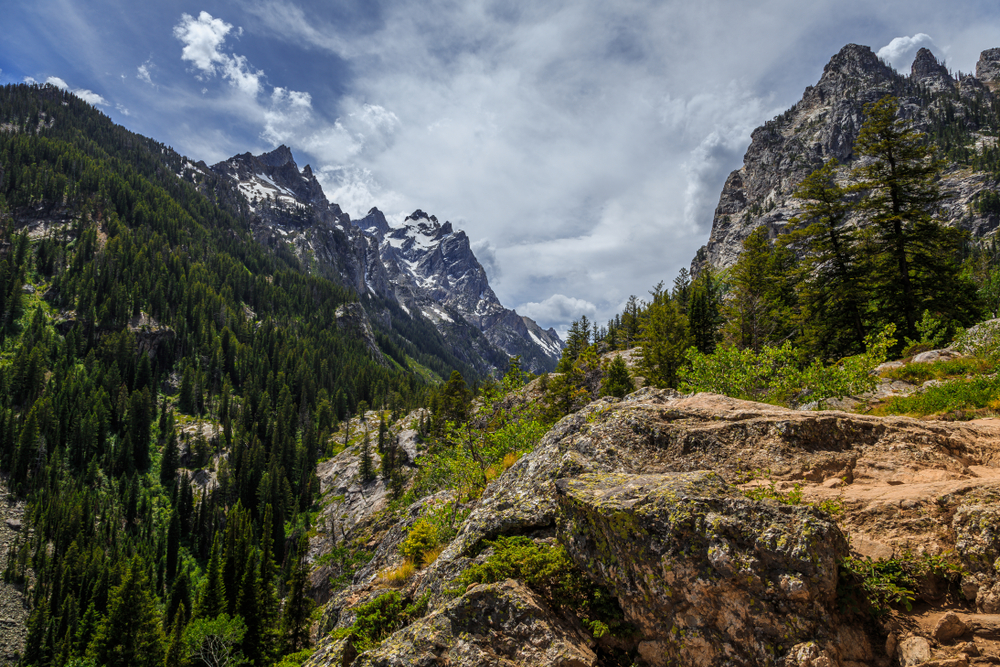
581 144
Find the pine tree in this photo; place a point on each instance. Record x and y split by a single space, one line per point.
915 257
664 340
298 606
367 468
175 648
681 293
212 599
704 317
617 381
170 460
830 278
758 310
131 634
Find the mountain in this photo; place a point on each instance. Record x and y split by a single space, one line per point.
433 271
958 113
423 269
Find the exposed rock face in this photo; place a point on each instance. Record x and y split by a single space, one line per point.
352 317
434 271
825 123
988 68
928 71
491 624
15 603
707 575
646 496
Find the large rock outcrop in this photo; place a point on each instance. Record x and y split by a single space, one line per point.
647 496
708 576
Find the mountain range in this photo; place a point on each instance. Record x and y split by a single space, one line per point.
420 268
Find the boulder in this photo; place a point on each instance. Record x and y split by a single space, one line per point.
930 356
491 624
949 627
708 576
914 651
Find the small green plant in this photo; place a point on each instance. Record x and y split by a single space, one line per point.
882 584
376 620
422 538
956 396
772 492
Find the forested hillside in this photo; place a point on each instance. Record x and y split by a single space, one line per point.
144 335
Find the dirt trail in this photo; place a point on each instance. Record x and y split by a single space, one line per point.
907 503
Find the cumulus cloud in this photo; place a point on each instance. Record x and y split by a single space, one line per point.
203 39
901 51
88 96
122 110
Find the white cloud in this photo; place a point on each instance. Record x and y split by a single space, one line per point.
122 110
142 72
558 310
901 51
87 96
203 39
486 253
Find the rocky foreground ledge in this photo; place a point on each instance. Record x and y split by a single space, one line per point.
648 496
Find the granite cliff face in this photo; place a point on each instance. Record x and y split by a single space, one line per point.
426 268
825 123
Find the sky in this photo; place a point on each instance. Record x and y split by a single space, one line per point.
581 144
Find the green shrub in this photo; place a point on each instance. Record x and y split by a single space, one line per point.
879 585
957 395
421 539
549 571
376 620
775 374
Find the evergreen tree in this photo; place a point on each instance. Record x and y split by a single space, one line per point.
212 599
131 634
758 310
915 257
830 278
664 340
298 606
170 460
367 467
617 381
704 317
681 293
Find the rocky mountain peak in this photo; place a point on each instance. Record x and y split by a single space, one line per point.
825 123
374 223
418 215
852 63
988 68
927 70
279 157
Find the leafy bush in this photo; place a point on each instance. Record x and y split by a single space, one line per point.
775 375
549 571
295 659
421 539
376 620
881 584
